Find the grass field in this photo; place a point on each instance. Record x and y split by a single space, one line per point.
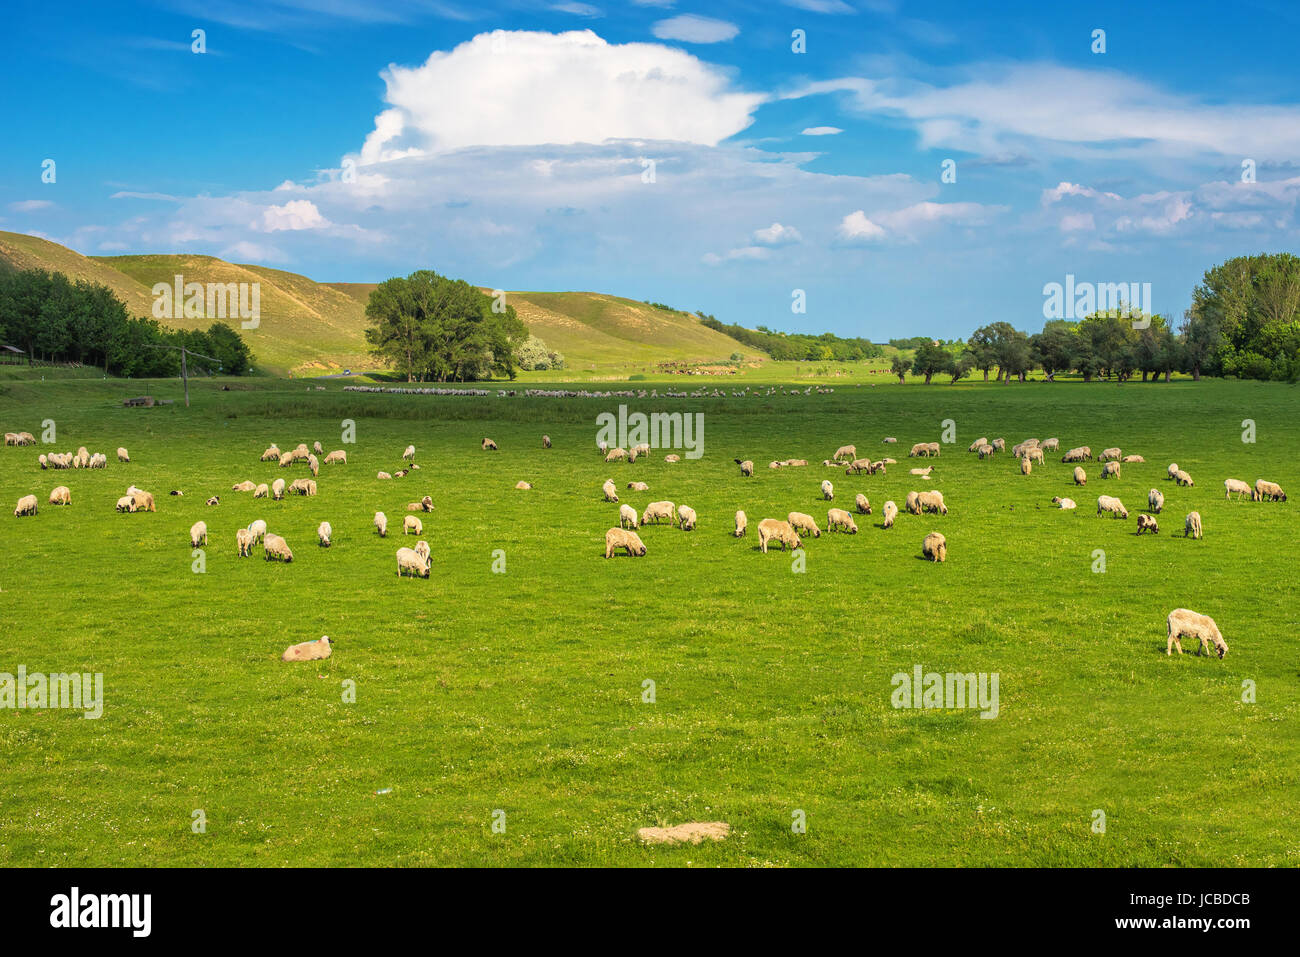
522 691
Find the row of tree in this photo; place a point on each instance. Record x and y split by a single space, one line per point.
54 319
826 347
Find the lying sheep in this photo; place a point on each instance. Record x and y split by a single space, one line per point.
489 445
27 506
746 467
742 524
1182 478
412 526
1128 459
337 457
610 490
257 529
1192 525
913 503
890 513
837 518
773 530
828 490
932 501
244 539
1269 491
1147 523
523 486
1110 470
272 454
658 511
672 457
1155 500
1108 503
1080 476
890 440
616 455
1185 623
846 452
124 504
1026 467
323 533
862 505
1172 471
383 475
630 542
215 500
244 486
423 505
804 523
686 518
198 534
277 489
1066 503
175 491
935 547
1109 455
381 524
627 517
409 560
62 495
924 473
262 491
275 547
1236 485
638 486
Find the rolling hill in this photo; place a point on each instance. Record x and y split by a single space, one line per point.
310 327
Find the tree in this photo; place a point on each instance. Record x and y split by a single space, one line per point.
982 349
1053 348
930 358
900 367
960 367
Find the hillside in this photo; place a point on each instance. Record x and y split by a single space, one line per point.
310 327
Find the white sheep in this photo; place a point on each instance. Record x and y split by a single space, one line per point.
411 525
272 454
1270 491
244 539
1173 470
610 490
422 549
1112 505
837 518
1110 470
672 457
382 475
1192 525
828 490
1066 503
913 503
409 454
616 455
686 518
861 503
776 531
27 506
523 486
262 491
846 452
975 446
890 513
257 529
935 547
804 523
1109 455
277 489
198 534
746 466
381 524
337 457
932 501
1182 478
638 486
1155 500
1080 476
627 517
1132 459
323 534
1051 445
659 510
629 541
742 524
1183 622
244 486
124 504
1026 467
275 547
409 560
1236 485
489 445
123 456
62 495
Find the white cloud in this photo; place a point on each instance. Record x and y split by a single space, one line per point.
1078 222
856 226
578 9
293 215
908 223
777 235
31 205
821 131
695 29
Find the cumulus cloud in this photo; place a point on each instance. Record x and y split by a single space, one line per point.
695 29
293 215
856 226
909 222
777 235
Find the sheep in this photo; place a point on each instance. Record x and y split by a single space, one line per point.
409 454
1035 455
616 455
890 513
838 518
1182 478
1132 459
244 539
383 475
124 504
924 449
277 489
774 465
858 466
932 501
1082 454
300 452
546 441
244 486
215 500
175 491
777 531
1236 485
272 454
999 445
657 511
889 440
99 461
412 525
935 547
638 486
602 446
630 542
1155 501
144 502
422 549
975 446
409 560
1192 525
1110 470
82 459
861 504
27 506
1108 503
913 503
642 449
1063 502
381 524
804 523
257 528
846 452
287 459
985 451
323 533
1268 490
314 464
924 473
301 486
198 534
44 462
627 517
1172 471
686 518
337 457
489 445
1026 467
275 547
746 467
317 447
132 490
1080 476
1110 455
400 472
11 438
610 490
523 486
62 495
1183 622
742 524
672 457
262 491
1147 523
1051 445
828 490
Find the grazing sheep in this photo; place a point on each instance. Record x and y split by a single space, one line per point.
489 445
1185 623
935 547
301 451
275 547
314 464
287 459
616 455
82 459
383 475
44 462
144 502
381 524
323 533
27 506
262 491
1035 455
746 467
1063 502
244 486
642 449
215 500
272 454
828 490
257 528
337 457
674 457
932 501
99 461
657 511
198 534
846 452
630 542
1109 455
1172 471
975 446
422 549
1051 445
1082 454
1080 476
638 486
858 466
999 445
409 454
776 531
1236 485
1182 478
890 513
1268 490
1147 523
1129 459
1108 503
985 451
546 441
124 504
245 540
742 524
602 446
277 489
62 495
804 523
1192 525
409 560
1026 467
317 448
1155 500
1110 470
924 449
610 490
412 525
913 503
838 518
686 518
302 487
523 486
632 454
863 506
627 517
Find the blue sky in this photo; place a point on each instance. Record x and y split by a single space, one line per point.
512 145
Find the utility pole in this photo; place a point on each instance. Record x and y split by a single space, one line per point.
185 354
